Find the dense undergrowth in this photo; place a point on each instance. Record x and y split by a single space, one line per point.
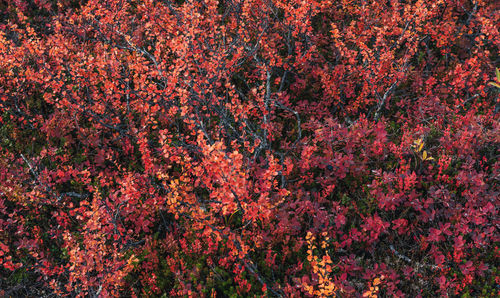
249 148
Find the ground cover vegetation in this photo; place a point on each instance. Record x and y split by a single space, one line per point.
242 148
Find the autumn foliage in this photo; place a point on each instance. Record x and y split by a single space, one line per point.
249 148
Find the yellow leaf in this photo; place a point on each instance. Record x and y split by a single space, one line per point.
494 84
498 74
426 157
420 147
376 281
